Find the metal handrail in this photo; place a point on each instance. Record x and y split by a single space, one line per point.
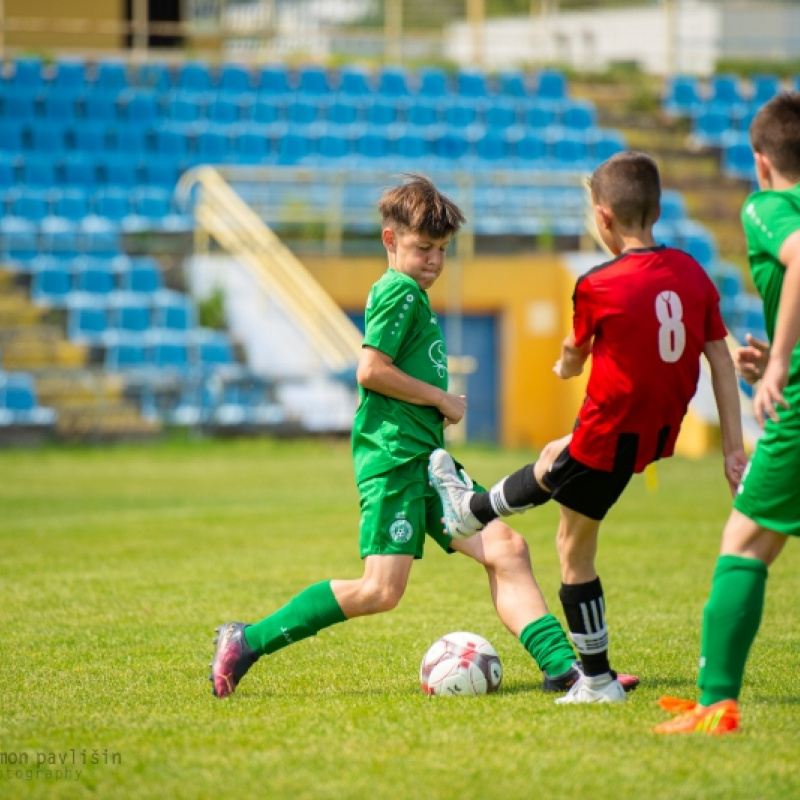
224 216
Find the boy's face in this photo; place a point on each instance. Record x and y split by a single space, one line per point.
416 254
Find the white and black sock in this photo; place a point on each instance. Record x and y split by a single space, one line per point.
512 495
584 608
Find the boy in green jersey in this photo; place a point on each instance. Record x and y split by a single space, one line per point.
766 510
404 407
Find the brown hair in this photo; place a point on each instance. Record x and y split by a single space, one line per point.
629 186
775 133
417 205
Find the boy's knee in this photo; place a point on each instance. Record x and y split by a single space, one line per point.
380 597
503 543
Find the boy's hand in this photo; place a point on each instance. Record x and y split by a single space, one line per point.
769 394
566 369
453 408
751 360
735 464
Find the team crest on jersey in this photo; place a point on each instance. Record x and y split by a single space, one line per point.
401 530
438 356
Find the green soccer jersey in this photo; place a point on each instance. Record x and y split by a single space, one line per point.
768 218
399 323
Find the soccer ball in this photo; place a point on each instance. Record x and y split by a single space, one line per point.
460 664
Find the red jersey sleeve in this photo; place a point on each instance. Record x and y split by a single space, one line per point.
583 312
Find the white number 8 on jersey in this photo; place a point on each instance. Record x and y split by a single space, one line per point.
671 333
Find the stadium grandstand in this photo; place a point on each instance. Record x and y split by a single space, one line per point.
188 240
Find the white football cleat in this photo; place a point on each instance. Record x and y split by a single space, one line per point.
597 689
455 493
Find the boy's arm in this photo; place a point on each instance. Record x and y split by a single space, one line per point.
726 394
787 334
573 357
377 372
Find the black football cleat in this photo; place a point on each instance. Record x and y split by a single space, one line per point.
232 658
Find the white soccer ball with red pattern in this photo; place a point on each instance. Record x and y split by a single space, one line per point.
461 663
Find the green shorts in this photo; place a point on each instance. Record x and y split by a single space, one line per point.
398 508
769 493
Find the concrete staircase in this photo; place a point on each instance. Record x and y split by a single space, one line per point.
91 404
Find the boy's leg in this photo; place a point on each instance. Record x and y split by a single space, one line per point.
583 601
517 597
317 607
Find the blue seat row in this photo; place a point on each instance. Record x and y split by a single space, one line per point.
689 95
18 109
75 76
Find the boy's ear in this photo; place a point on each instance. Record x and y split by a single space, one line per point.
389 239
763 169
604 216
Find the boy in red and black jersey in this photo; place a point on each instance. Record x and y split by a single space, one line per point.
645 317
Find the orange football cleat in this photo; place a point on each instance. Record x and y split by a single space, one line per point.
716 719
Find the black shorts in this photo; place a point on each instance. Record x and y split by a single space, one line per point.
588 491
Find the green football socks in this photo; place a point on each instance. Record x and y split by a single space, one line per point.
546 641
730 622
305 615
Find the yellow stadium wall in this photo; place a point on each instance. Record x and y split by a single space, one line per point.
54 12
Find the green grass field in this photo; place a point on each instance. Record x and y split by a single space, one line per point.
118 563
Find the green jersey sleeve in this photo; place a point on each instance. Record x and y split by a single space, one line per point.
768 218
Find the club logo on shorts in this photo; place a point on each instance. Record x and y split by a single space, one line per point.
401 529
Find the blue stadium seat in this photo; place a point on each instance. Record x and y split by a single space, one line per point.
313 80
87 319
27 74
333 142
80 169
11 135
421 113
697 240
266 109
120 170
710 126
58 236
500 115
154 75
568 148
450 145
293 146
737 158
342 111
274 80
354 81
58 107
512 84
8 170
48 137
303 110
763 88
168 352
142 276
227 109
380 111
111 76
172 140
492 146
529 148
101 106
460 114
99 236
129 312
409 144
139 106
51 283
578 115
683 95
151 203
89 137
38 170
126 352
472 83
71 203
538 116
604 143
19 404
742 118
184 107
673 206
235 79
212 144
69 78
372 143
211 350
19 242
111 202
393 81
30 203
194 76
551 85
93 276
251 144
18 105
725 90
130 139
433 82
